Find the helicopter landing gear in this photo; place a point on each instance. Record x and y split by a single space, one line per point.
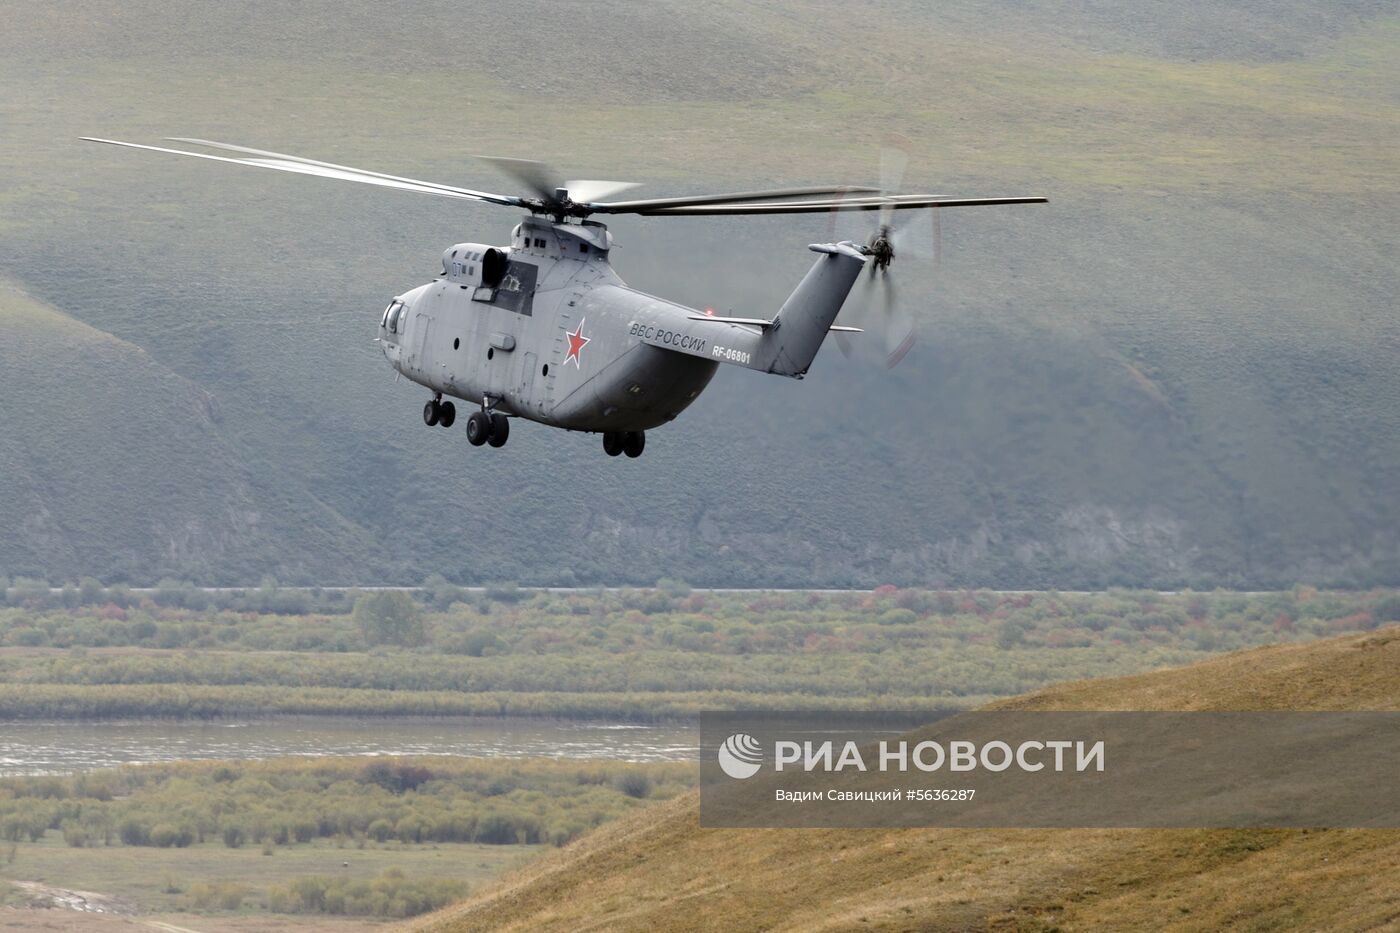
630 443
500 430
487 427
478 428
436 411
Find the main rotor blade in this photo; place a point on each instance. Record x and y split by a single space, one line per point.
585 190
538 177
300 166
544 181
230 147
901 203
648 205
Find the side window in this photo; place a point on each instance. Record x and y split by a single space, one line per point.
384 321
394 317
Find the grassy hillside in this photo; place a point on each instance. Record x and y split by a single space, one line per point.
1181 371
75 481
659 871
112 460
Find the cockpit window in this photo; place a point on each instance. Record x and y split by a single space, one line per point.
392 317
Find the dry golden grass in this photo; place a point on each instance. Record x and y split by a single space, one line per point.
658 870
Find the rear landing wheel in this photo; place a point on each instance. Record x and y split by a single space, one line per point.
447 414
478 428
612 443
633 442
431 412
500 429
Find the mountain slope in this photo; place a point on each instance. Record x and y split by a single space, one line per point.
1179 372
111 462
659 871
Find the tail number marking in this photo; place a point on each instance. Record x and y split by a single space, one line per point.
733 356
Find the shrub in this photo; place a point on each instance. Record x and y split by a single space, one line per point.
389 895
133 832
635 784
389 617
166 836
395 778
75 835
224 895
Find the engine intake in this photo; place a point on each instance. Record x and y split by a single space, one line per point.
475 264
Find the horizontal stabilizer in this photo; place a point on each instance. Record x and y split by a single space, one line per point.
751 321
760 322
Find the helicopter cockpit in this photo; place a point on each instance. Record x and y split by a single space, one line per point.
394 321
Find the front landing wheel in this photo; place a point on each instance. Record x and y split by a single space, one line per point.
612 443
633 442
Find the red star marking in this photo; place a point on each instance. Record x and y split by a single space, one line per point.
576 343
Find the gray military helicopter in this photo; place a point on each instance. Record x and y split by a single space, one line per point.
544 329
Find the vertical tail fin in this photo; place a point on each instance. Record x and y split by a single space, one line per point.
791 343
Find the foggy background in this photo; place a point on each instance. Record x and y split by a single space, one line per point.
1179 372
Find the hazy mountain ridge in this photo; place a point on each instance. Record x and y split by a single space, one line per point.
1190 381
62 512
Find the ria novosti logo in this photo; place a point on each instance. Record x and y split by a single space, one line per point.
740 756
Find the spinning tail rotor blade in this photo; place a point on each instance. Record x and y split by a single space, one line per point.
889 329
918 237
899 335
894 159
875 308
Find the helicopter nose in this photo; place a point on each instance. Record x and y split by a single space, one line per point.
391 323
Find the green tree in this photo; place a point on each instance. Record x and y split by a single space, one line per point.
90 591
389 617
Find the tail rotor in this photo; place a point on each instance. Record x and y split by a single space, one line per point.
875 309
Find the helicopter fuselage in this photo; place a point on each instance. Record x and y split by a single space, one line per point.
546 330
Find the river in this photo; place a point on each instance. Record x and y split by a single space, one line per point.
65 747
